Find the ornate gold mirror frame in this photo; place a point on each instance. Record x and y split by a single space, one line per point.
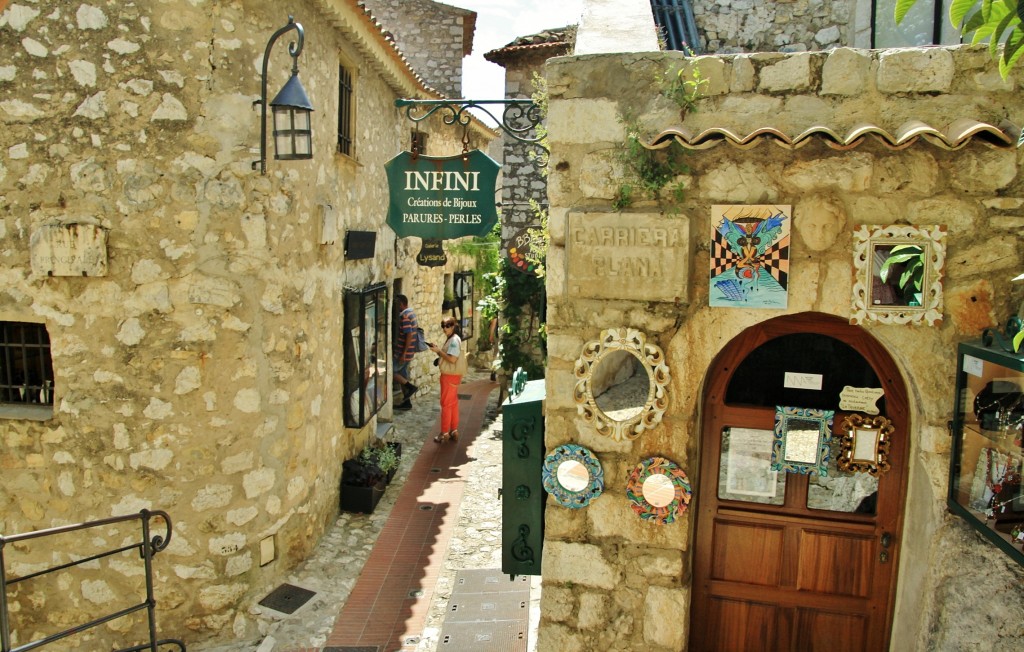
651 360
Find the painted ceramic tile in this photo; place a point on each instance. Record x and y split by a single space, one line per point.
749 256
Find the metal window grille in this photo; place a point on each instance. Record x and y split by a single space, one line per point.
344 111
676 21
26 370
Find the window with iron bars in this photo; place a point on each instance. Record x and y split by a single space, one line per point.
26 370
345 106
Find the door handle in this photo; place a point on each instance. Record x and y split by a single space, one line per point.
886 541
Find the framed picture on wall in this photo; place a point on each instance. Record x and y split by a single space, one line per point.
749 256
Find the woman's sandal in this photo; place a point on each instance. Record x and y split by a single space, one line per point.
441 437
453 435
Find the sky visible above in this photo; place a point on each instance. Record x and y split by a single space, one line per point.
498 23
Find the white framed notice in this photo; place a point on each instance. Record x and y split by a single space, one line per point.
749 470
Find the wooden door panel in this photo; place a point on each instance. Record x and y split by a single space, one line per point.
740 627
830 632
836 563
751 554
791 575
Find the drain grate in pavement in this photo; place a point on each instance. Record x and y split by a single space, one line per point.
486 611
465 397
363 648
474 637
287 598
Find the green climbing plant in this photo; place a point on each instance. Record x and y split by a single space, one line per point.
648 171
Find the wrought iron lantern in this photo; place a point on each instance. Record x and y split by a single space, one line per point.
293 133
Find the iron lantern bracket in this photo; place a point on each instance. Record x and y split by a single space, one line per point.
294 49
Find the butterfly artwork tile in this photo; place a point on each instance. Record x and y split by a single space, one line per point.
750 256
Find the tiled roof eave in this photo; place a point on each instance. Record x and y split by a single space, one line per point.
955 136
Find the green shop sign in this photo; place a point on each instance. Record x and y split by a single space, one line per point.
442 198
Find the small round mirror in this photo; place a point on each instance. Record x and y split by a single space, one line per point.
573 476
658 490
621 385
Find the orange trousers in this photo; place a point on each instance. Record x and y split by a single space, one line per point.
450 402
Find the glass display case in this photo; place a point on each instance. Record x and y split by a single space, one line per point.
366 354
985 468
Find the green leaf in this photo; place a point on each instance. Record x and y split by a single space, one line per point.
958 11
997 32
902 7
1013 51
1017 339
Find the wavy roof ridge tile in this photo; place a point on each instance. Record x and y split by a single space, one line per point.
954 136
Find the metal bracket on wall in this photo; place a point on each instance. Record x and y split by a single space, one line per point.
519 117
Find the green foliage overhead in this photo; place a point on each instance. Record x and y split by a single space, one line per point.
997 22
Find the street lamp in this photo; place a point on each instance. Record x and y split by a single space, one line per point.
293 134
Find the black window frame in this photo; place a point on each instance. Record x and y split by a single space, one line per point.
346 106
26 364
363 349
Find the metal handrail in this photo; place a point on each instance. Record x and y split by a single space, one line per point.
147 547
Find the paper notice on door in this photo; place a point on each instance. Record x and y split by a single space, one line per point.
860 399
794 380
750 458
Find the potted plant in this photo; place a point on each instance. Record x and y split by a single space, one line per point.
365 477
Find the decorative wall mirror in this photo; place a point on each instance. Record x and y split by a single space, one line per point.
898 274
367 354
573 476
621 383
865 444
802 440
658 490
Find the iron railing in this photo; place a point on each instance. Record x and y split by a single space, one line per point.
148 546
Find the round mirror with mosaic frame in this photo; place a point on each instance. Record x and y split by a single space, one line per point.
621 383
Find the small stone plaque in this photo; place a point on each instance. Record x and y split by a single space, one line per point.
639 256
69 250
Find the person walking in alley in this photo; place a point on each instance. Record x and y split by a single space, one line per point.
453 367
403 350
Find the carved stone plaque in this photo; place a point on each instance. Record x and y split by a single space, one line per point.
69 250
640 256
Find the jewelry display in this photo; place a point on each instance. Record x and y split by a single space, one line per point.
985 486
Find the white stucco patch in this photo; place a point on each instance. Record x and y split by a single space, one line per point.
94 107
83 72
123 46
247 400
158 409
19 16
18 151
8 73
212 497
189 379
90 17
258 482
19 109
97 592
170 109
34 47
156 459
131 332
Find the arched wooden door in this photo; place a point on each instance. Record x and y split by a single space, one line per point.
794 562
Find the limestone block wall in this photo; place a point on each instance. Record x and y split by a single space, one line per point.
612 581
202 374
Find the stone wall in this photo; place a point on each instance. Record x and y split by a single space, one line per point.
729 26
612 581
202 374
431 36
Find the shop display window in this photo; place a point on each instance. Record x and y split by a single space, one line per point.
985 470
366 354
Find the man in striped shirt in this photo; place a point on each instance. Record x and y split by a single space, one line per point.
403 350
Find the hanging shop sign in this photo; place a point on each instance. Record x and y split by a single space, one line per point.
431 254
521 251
442 198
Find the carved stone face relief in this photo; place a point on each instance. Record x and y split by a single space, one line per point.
621 383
